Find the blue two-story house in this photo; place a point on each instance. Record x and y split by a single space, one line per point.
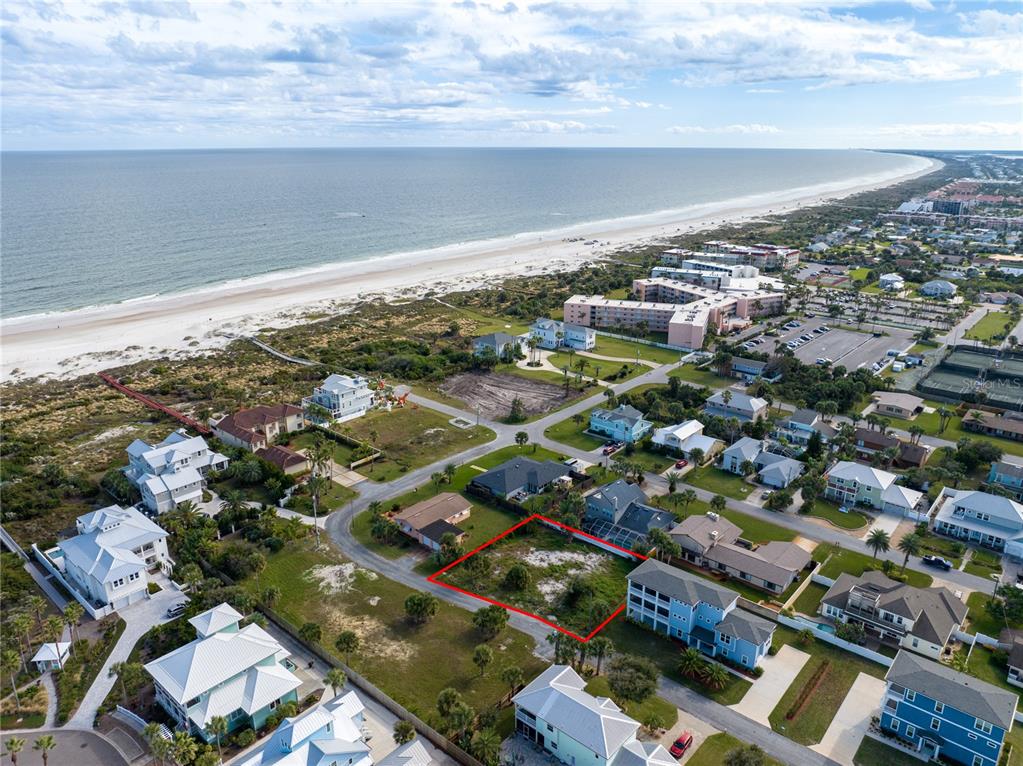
1007 476
939 711
624 423
698 612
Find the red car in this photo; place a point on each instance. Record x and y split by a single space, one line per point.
681 463
680 745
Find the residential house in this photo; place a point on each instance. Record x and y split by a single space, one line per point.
624 423
521 477
240 673
852 484
1015 662
1008 476
500 344
618 512
429 520
922 620
907 455
173 471
981 518
699 612
1008 425
683 438
342 397
745 450
777 471
897 405
51 656
289 461
552 334
943 713
715 543
555 712
749 370
938 288
109 560
891 282
799 427
735 404
258 427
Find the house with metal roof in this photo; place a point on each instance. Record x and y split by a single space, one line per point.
698 612
52 656
240 673
624 423
555 712
938 288
776 471
172 471
553 334
338 398
683 438
736 404
853 484
619 513
521 477
992 521
942 713
108 562
922 620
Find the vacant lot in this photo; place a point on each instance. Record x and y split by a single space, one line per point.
989 326
569 582
719 482
492 393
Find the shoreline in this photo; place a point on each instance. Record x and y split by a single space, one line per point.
72 343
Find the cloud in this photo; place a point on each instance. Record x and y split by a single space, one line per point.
992 23
950 129
764 90
753 128
553 126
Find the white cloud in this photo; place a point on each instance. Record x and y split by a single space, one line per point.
753 128
764 90
550 126
992 23
950 129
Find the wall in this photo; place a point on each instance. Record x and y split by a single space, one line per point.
95 612
640 340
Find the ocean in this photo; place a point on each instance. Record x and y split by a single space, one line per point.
94 228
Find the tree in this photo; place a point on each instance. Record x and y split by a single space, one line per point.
1007 605
715 676
779 500
879 542
348 643
747 467
446 701
513 677
217 727
20 624
14 746
718 503
53 628
517 578
490 620
127 674
805 637
486 746
37 604
602 646
690 662
521 438
183 748
944 415
421 607
482 656
632 678
449 472
404 732
10 663
673 478
517 412
746 755
310 632
72 614
336 678
910 545
43 745
696 457
688 496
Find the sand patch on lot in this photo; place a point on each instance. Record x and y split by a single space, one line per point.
338 578
586 562
375 637
493 393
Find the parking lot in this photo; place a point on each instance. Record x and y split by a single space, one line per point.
848 348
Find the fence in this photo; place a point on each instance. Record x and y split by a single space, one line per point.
822 580
11 544
126 716
94 611
642 341
830 638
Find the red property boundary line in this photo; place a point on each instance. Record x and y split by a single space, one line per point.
535 517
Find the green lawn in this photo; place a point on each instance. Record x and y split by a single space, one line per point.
981 620
825 509
719 482
809 725
700 377
991 324
570 432
600 368
858 273
984 665
857 563
715 748
954 430
983 564
624 349
653 707
256 493
874 753
810 599
941 546
411 664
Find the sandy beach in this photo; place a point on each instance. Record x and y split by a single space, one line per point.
73 343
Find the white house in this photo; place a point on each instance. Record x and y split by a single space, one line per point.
555 712
683 438
110 558
552 334
892 282
52 656
173 471
857 484
242 674
938 288
343 396
736 404
978 517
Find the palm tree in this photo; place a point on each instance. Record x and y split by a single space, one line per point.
486 746
38 605
512 675
715 676
72 614
688 496
879 542
183 748
404 732
161 749
690 662
217 727
14 746
21 624
10 663
126 673
233 502
44 745
718 503
336 678
673 478
347 643
944 415
910 545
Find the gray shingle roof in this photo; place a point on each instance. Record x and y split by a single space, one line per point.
746 626
954 689
681 585
518 472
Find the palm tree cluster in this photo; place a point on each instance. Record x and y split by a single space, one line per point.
692 664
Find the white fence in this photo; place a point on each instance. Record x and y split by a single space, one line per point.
798 623
822 580
96 612
971 639
643 341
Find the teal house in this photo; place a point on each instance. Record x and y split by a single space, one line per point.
239 673
624 423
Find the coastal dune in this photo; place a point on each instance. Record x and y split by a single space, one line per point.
87 340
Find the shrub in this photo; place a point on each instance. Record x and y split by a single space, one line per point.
244 738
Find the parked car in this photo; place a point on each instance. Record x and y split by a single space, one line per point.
679 746
937 561
681 463
609 449
177 609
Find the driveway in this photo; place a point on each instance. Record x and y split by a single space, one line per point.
843 737
765 694
889 522
699 728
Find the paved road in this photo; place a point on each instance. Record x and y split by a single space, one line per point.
80 748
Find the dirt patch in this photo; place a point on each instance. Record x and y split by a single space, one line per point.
375 637
493 393
339 578
587 562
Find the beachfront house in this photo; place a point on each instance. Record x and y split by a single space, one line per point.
698 612
109 560
552 334
683 438
258 427
240 673
172 471
555 712
622 424
338 398
942 713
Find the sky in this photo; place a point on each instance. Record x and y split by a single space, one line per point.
164 74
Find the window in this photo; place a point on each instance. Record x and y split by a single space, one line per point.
910 731
935 723
550 728
978 760
973 736
991 744
274 704
895 725
982 726
910 695
939 707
